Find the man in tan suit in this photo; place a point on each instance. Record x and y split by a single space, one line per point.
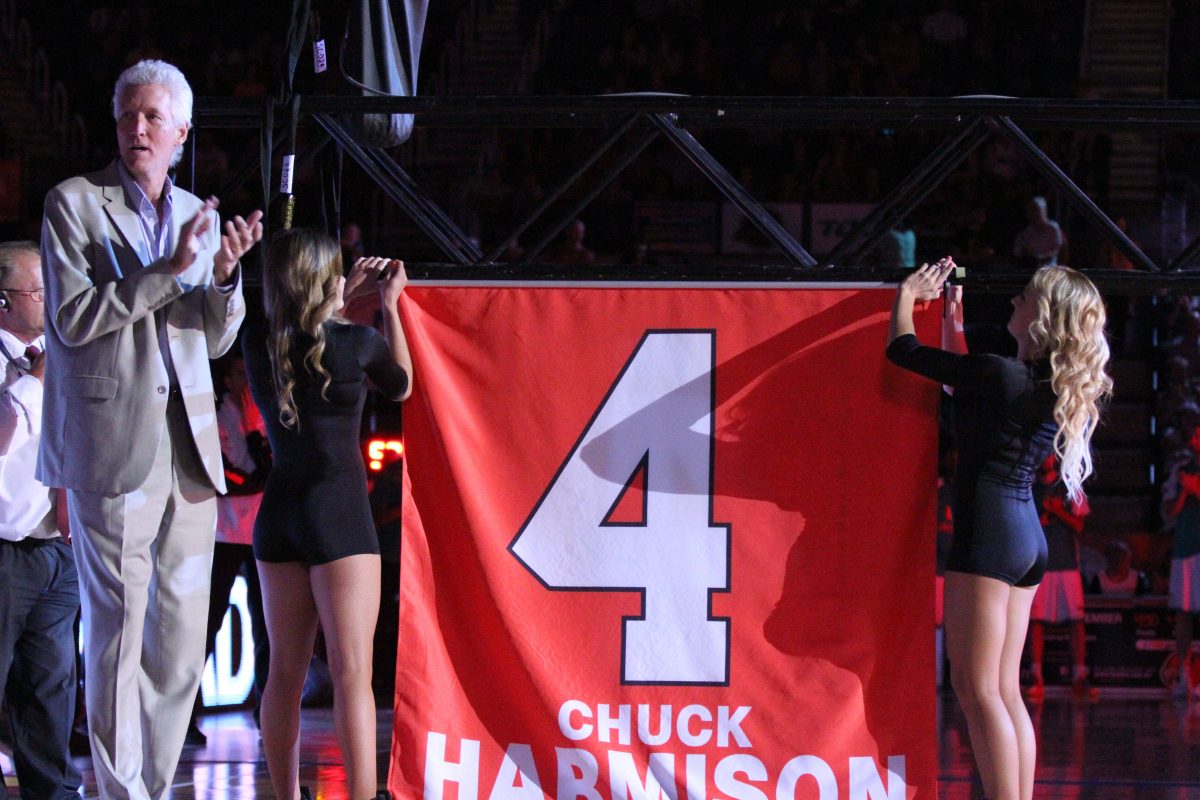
142 289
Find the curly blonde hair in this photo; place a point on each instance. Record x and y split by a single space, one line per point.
1069 330
300 293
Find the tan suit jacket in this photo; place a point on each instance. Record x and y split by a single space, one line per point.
106 383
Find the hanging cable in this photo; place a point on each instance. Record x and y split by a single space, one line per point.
320 57
295 43
266 149
289 163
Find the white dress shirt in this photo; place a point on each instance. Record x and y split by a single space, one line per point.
26 506
155 244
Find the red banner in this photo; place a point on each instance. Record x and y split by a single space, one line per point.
664 543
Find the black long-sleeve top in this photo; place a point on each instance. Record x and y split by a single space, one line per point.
1003 408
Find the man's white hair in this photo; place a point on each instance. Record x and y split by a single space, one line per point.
150 71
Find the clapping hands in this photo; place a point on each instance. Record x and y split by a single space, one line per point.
240 235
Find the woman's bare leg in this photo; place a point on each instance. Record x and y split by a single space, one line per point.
346 592
1019 601
291 619
977 620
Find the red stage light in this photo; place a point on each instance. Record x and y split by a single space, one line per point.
382 451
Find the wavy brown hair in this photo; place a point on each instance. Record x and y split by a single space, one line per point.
1069 330
300 294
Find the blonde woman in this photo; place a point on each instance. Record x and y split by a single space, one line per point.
314 539
1009 414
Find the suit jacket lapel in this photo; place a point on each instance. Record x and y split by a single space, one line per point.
123 218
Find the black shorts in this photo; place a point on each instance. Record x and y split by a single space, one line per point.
314 522
997 534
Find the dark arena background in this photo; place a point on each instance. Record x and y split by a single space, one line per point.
687 145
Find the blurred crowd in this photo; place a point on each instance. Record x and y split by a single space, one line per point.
818 49
809 48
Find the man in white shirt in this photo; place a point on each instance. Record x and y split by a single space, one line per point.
39 591
1039 243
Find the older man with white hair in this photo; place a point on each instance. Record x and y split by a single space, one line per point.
142 289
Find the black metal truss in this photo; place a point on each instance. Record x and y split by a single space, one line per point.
574 174
1080 201
909 192
397 184
1186 258
733 191
642 118
816 113
626 157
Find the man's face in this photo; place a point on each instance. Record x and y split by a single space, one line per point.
147 132
25 315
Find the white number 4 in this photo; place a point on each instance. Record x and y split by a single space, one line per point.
657 421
